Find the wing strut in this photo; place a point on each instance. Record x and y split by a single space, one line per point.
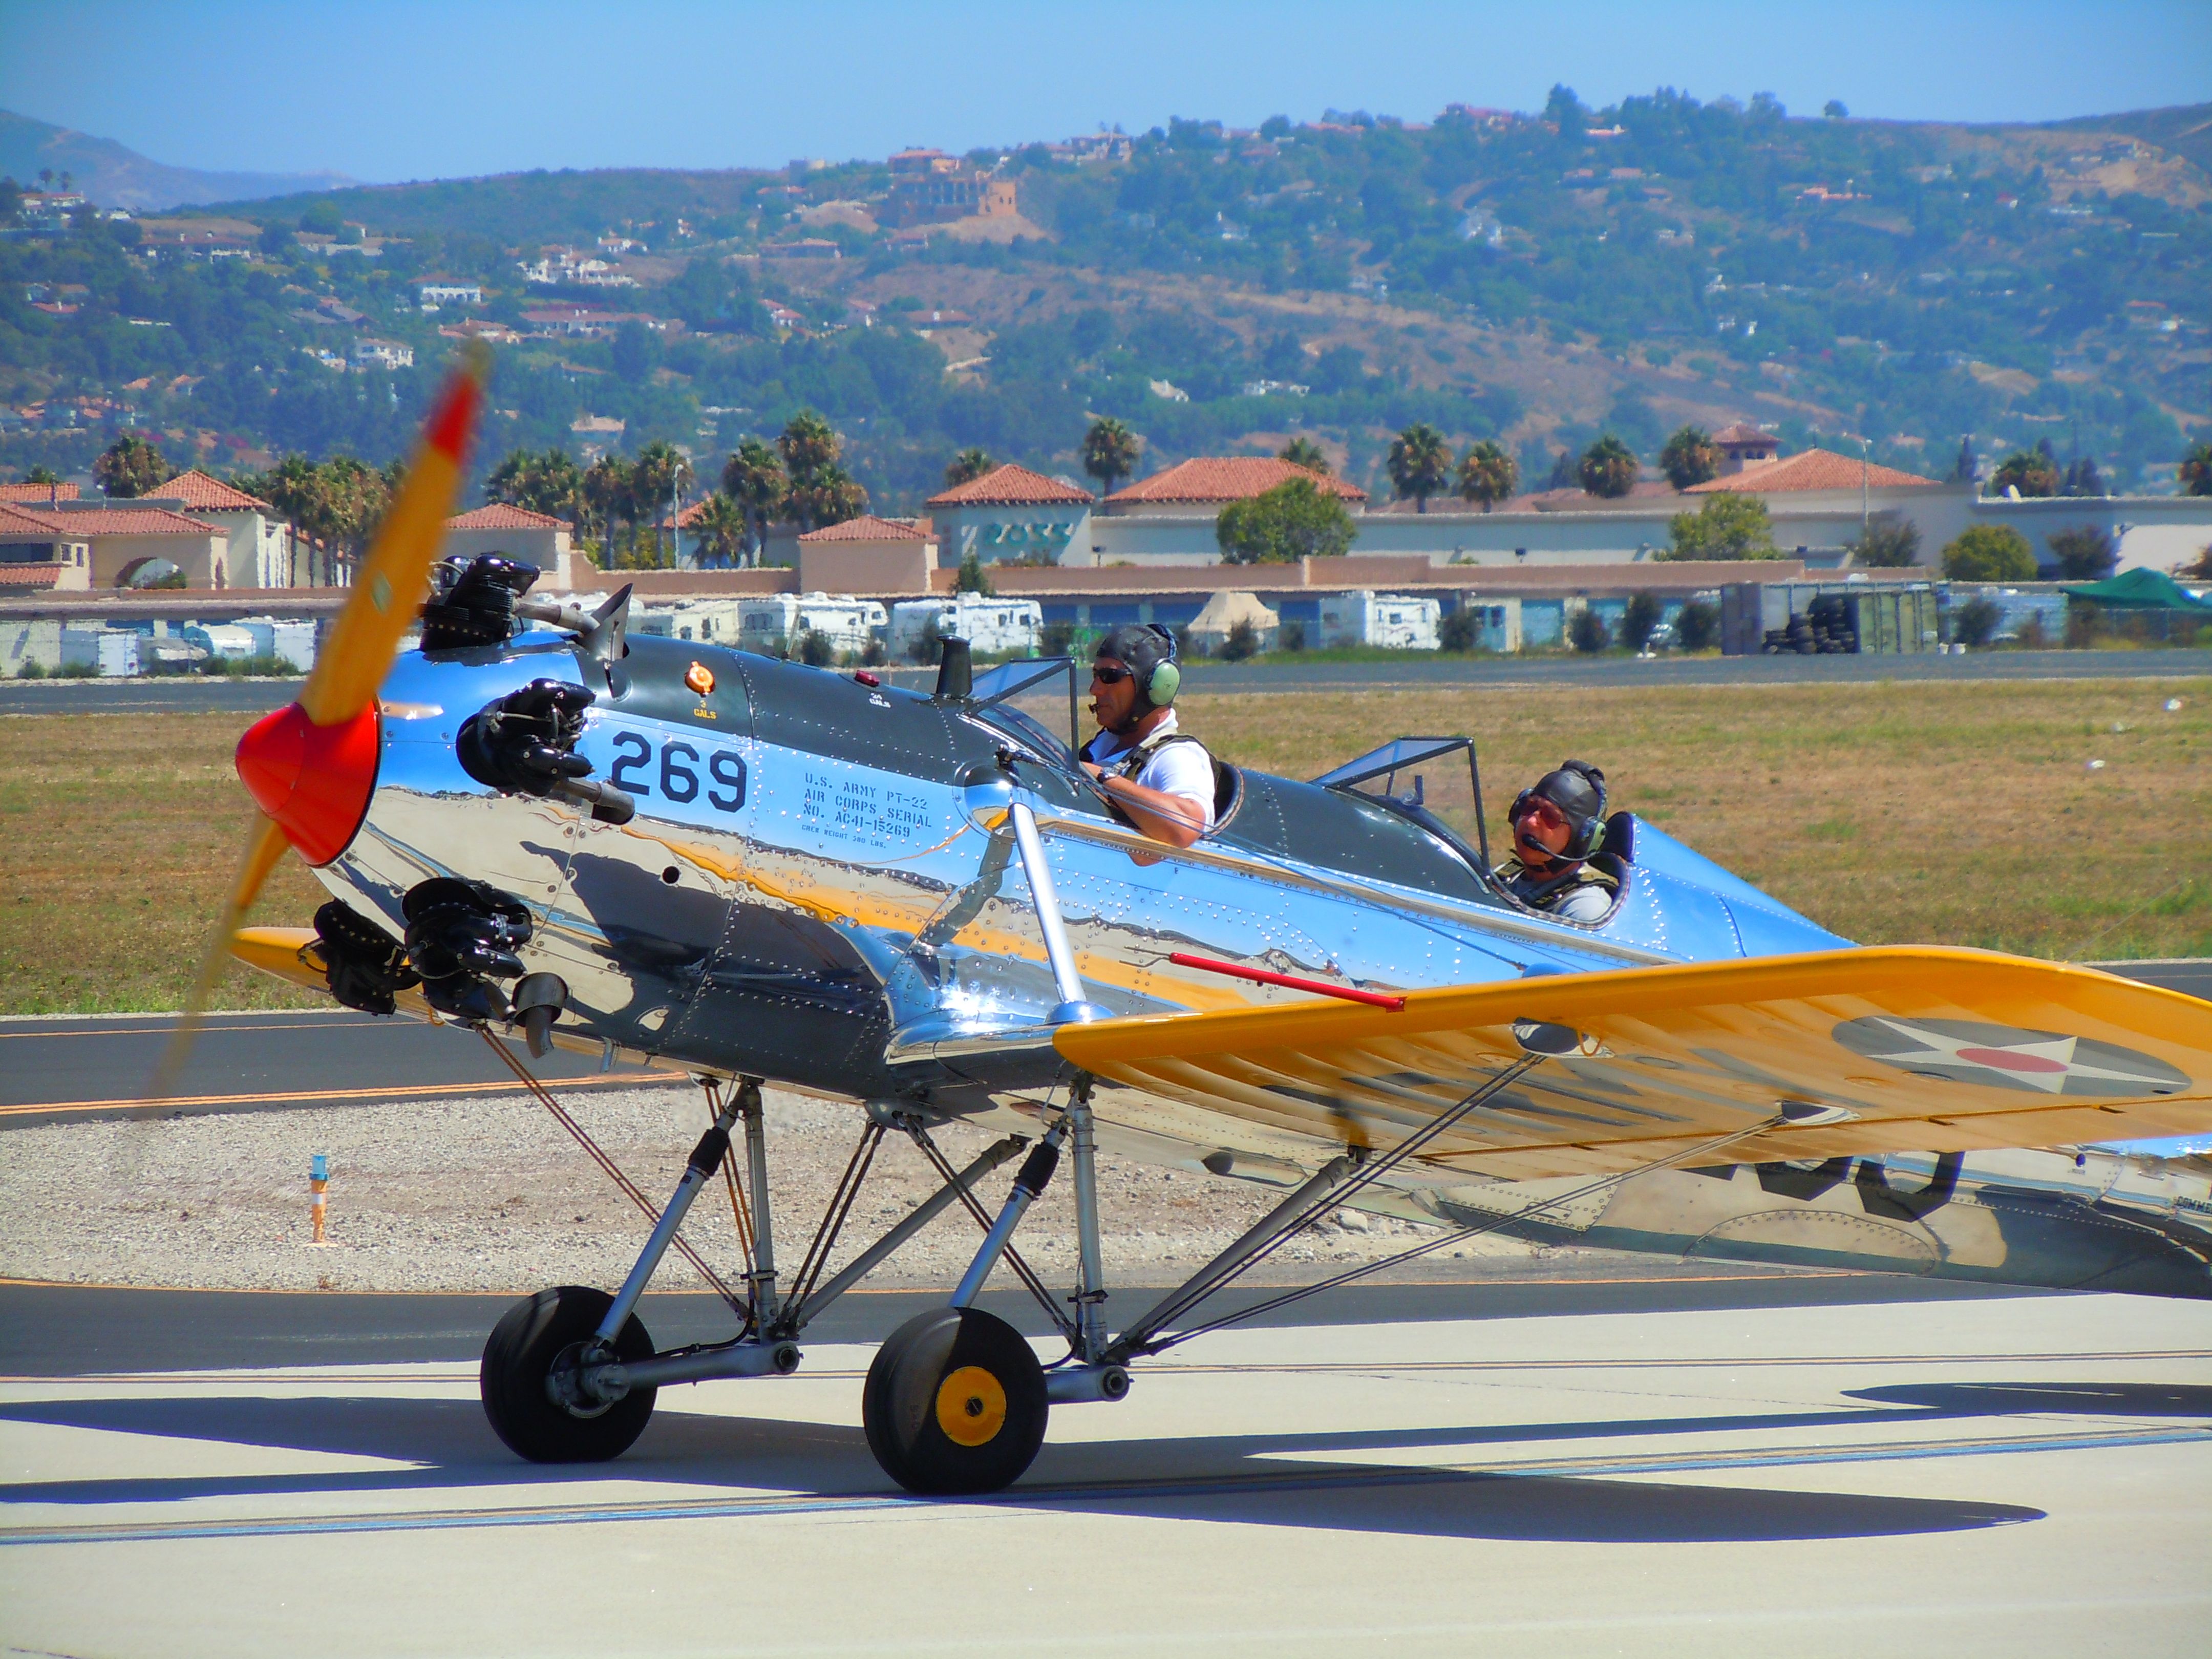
1328 1188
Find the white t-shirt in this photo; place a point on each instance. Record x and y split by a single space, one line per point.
1175 768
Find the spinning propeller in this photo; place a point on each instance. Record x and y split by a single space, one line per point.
311 765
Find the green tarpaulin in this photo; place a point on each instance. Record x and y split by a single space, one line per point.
2141 590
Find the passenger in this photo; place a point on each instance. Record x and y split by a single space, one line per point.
1557 825
1160 777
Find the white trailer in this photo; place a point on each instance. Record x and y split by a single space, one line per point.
713 621
222 641
110 652
29 645
990 626
774 624
1392 621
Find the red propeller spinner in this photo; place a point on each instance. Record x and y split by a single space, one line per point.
314 781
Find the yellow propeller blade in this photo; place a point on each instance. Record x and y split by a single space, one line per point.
264 846
390 585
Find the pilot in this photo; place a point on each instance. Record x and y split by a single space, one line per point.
1558 824
1161 778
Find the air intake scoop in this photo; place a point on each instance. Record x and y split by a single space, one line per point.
313 780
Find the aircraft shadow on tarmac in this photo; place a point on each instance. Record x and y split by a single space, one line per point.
447 1447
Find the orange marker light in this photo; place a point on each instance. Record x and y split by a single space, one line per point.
700 679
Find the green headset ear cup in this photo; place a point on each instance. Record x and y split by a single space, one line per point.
1597 834
1167 680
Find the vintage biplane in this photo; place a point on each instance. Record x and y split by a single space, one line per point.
556 830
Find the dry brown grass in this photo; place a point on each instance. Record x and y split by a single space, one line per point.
1959 815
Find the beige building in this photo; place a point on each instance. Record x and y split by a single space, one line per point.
38 557
263 550
535 538
866 555
126 544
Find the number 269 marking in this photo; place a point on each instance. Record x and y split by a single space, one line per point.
678 775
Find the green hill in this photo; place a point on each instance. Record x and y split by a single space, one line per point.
1536 278
111 175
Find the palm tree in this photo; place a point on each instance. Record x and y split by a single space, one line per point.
1421 462
659 478
808 444
722 528
1305 452
1690 456
968 465
607 492
2196 470
1608 468
1487 474
755 479
822 493
1110 453
130 466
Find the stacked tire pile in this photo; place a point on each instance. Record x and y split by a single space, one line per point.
1829 626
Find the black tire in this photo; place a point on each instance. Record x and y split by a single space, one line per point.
954 1404
535 1334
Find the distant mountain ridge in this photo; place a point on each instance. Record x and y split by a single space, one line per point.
113 175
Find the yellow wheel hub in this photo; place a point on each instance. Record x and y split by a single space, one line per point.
971 1407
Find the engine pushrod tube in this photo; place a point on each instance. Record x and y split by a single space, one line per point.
706 1160
867 1262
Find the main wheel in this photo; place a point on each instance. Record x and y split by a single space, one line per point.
955 1403
537 1336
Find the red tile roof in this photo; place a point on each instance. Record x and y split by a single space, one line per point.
204 494
1228 478
34 493
30 575
1810 469
1010 486
866 528
1640 496
500 516
76 526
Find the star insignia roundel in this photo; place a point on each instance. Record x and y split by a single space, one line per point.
2007 1057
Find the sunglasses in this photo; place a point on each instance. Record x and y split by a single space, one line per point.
1109 676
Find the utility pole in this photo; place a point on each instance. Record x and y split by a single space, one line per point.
1862 492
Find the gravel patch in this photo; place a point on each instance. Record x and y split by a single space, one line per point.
491 1195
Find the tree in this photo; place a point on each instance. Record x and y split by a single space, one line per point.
1608 468
2025 471
549 482
659 478
2196 470
1109 452
1487 474
1976 621
1690 456
2082 478
1638 621
42 474
1459 629
1295 519
2199 568
822 493
130 466
1989 553
1962 470
721 529
1305 452
1887 544
1587 632
1698 625
1419 463
1730 526
1834 110
2084 553
966 467
754 479
972 577
607 492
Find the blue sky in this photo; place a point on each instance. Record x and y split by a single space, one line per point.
401 89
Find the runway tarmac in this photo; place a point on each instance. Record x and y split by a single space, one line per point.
100 1066
1987 1475
255 697
94 1067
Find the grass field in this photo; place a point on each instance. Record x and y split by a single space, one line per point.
1943 814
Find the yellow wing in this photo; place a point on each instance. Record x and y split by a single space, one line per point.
1906 1050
